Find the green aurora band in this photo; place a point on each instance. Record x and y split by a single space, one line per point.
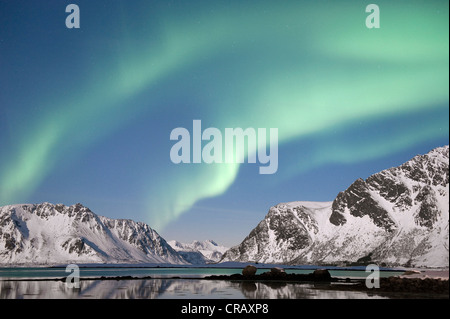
307 69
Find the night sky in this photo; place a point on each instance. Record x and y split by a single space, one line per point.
86 114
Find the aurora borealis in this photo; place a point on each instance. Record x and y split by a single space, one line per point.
86 114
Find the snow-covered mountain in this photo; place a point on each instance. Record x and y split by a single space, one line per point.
58 234
199 252
399 216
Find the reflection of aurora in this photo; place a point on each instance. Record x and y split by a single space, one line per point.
308 69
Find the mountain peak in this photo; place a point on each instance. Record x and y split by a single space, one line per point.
199 252
212 242
48 234
399 216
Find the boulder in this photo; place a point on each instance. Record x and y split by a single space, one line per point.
277 270
249 270
321 275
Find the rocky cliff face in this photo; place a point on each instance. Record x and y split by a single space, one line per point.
399 216
51 234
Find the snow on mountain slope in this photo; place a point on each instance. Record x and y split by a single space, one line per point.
199 252
399 216
54 234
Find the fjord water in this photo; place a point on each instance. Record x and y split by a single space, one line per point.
160 272
41 283
169 289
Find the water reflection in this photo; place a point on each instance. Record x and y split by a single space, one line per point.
281 290
169 289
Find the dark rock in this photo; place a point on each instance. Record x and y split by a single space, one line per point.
249 270
429 211
288 230
337 218
277 270
321 275
275 273
357 198
415 285
10 244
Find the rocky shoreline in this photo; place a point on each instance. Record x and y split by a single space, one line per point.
319 275
417 284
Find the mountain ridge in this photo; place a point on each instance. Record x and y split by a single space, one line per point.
398 217
199 252
51 234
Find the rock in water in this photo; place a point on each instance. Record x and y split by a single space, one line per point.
321 275
277 270
249 271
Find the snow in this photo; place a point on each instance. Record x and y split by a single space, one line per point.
57 234
406 242
210 250
45 236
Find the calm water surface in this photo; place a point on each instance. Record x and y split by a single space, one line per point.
161 272
18 283
170 289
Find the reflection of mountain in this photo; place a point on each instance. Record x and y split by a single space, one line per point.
280 290
123 289
399 216
167 288
118 289
49 234
96 289
201 289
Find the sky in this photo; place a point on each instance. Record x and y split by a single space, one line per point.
86 113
